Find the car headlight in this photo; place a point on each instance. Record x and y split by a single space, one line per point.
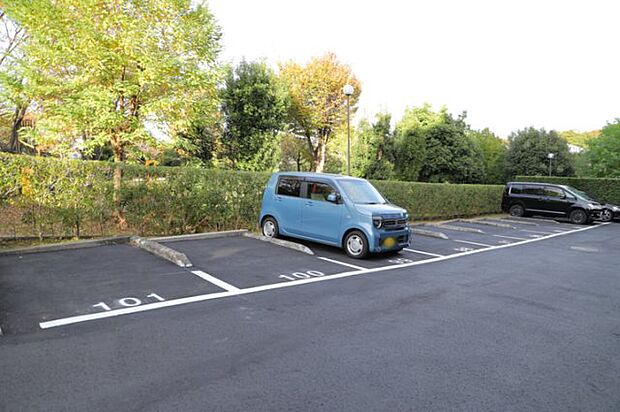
377 221
615 209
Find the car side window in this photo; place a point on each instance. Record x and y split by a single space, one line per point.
555 192
516 189
533 190
289 186
319 191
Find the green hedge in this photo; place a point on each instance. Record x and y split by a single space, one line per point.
442 200
46 196
603 190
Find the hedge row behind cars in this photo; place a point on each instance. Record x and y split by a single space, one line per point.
46 196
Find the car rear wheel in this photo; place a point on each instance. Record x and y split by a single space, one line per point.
516 211
578 217
356 245
270 228
607 215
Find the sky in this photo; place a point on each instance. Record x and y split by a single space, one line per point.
509 64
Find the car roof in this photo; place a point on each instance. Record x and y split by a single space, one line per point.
536 183
317 175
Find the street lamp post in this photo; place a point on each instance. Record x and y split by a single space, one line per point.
550 156
348 91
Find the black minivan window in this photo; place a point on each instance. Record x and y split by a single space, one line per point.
289 186
516 189
554 192
533 190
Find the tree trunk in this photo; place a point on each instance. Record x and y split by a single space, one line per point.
18 118
318 158
119 157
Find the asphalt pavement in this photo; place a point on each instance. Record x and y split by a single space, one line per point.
530 324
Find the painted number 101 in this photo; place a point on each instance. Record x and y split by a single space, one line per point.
129 302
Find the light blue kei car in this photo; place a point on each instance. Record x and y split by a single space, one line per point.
337 210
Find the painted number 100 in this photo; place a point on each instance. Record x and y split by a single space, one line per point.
303 275
129 302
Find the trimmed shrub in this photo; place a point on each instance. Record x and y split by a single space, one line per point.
603 190
442 200
45 196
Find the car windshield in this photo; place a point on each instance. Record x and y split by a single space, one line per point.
580 194
362 192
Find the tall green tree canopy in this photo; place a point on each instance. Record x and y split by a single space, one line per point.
604 151
493 152
528 150
373 146
318 104
101 70
254 108
433 147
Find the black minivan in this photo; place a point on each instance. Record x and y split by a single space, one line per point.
525 198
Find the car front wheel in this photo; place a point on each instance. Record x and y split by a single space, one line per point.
516 211
607 215
578 217
356 245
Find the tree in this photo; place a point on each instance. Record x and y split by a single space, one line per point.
528 150
372 147
254 107
579 139
318 104
493 151
102 69
433 147
13 96
604 151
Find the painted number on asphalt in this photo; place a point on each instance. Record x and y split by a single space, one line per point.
129 302
303 275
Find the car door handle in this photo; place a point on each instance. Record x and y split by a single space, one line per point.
278 198
309 204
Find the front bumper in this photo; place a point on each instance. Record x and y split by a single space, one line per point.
594 213
387 240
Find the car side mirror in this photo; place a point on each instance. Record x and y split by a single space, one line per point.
332 197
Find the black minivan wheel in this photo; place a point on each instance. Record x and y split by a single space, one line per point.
356 245
270 227
578 217
516 211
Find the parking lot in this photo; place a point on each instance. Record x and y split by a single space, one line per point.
55 289
244 297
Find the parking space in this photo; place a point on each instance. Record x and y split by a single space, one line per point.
57 288
39 287
245 262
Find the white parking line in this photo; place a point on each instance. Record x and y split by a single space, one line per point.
536 231
279 285
510 237
215 281
341 263
472 243
423 252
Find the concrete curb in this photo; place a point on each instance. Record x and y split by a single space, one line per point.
197 236
461 229
161 251
66 246
516 221
483 222
429 233
280 242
